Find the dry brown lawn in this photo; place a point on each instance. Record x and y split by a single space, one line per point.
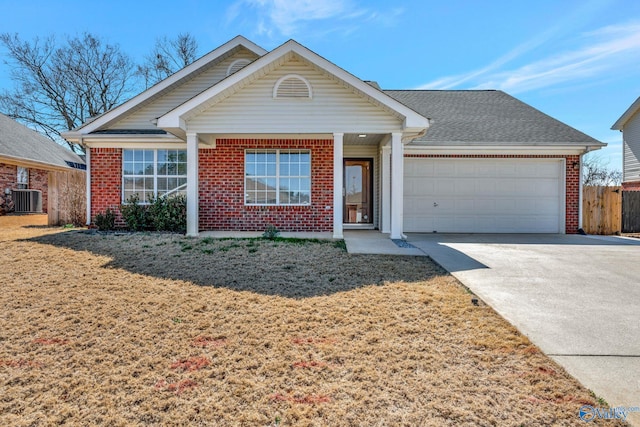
140 329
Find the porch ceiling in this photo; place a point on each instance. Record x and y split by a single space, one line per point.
368 139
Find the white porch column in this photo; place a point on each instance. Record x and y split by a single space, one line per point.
193 220
337 184
87 160
397 183
385 179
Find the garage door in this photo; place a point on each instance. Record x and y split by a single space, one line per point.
483 195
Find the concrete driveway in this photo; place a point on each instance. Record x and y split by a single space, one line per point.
575 297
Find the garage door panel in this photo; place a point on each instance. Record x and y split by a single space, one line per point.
445 168
483 195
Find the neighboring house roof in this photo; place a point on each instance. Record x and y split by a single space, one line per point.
23 145
624 118
487 117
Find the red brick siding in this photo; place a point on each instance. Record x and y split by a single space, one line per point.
631 186
221 176
572 183
38 180
106 181
8 176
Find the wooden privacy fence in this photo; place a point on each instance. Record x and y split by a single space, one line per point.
66 202
601 210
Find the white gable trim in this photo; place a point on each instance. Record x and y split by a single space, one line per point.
619 124
174 120
122 109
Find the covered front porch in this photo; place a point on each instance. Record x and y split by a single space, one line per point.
371 199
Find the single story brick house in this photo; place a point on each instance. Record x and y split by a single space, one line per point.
629 125
31 166
288 138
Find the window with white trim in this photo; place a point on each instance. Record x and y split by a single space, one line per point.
277 177
22 178
153 173
292 86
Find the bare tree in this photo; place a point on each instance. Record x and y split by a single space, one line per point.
167 57
59 87
595 172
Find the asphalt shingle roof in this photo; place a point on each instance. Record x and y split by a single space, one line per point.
18 141
486 117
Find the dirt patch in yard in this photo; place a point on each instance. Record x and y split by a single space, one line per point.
162 329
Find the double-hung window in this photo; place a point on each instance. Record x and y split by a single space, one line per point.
277 177
153 173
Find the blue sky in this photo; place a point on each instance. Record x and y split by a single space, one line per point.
578 61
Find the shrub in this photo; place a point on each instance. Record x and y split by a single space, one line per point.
105 221
134 214
271 232
169 213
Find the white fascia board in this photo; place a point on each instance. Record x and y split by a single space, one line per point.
160 86
273 135
412 120
71 136
619 124
567 150
118 141
140 145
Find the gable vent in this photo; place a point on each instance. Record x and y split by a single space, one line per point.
292 86
237 65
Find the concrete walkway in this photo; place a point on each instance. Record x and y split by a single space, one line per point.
374 242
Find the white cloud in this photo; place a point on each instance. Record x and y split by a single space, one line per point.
292 17
597 54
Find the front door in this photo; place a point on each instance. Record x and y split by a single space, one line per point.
358 191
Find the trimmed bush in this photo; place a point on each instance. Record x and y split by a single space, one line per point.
134 214
161 214
105 221
169 213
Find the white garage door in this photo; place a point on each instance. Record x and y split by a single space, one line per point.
483 195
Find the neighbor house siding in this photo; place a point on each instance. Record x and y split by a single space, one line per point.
572 182
631 143
631 186
106 181
38 180
143 118
221 188
8 176
332 108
